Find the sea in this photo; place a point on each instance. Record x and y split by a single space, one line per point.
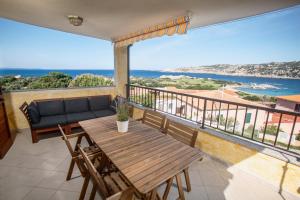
254 85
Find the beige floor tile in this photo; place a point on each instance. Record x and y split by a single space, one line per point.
53 181
15 193
40 194
197 193
215 193
74 185
65 195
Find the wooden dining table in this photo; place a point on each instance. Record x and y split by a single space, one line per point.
145 156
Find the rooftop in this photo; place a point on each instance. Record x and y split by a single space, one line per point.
293 98
228 95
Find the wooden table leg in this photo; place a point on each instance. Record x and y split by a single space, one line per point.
84 187
180 188
167 190
187 179
153 194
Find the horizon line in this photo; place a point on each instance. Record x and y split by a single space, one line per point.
167 68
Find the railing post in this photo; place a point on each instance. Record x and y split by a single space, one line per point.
155 93
128 92
204 111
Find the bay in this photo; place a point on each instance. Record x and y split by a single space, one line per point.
255 85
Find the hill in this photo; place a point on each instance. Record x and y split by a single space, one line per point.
273 69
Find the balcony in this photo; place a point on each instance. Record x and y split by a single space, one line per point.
234 165
251 151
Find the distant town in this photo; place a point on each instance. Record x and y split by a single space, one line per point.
273 69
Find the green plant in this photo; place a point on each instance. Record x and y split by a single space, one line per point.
298 137
122 112
271 129
90 80
52 80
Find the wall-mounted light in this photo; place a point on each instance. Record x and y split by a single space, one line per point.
75 20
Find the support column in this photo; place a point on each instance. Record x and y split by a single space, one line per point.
121 61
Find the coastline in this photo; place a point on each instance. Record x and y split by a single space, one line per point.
230 74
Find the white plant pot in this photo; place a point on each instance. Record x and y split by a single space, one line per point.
122 126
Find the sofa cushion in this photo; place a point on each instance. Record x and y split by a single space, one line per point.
99 102
33 112
76 105
76 117
50 121
103 113
51 107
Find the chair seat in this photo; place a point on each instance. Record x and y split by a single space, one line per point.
91 149
115 183
50 121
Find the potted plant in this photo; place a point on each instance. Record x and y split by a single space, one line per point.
122 117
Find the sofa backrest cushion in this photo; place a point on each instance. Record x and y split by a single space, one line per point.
76 105
33 113
51 107
99 102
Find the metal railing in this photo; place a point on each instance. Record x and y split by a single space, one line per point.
272 127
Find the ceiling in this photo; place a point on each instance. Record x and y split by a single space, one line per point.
107 19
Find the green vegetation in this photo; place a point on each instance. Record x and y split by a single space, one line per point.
253 97
90 80
271 129
12 83
53 80
146 100
182 82
122 112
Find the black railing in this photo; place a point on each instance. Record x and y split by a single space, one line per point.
272 127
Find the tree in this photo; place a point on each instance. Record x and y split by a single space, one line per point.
90 80
11 83
52 80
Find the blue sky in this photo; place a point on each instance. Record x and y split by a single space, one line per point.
269 37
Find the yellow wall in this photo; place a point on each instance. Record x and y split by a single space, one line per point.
271 169
13 100
121 69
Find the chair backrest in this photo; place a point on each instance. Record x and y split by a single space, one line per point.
154 119
94 173
181 132
24 109
102 184
68 143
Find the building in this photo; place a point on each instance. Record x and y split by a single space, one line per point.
290 103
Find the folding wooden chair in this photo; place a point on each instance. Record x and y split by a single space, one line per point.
90 150
186 135
154 119
110 186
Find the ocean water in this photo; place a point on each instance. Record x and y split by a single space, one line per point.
278 86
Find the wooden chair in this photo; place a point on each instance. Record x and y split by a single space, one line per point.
91 150
110 186
186 135
154 119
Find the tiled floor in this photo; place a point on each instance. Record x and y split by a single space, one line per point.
38 172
